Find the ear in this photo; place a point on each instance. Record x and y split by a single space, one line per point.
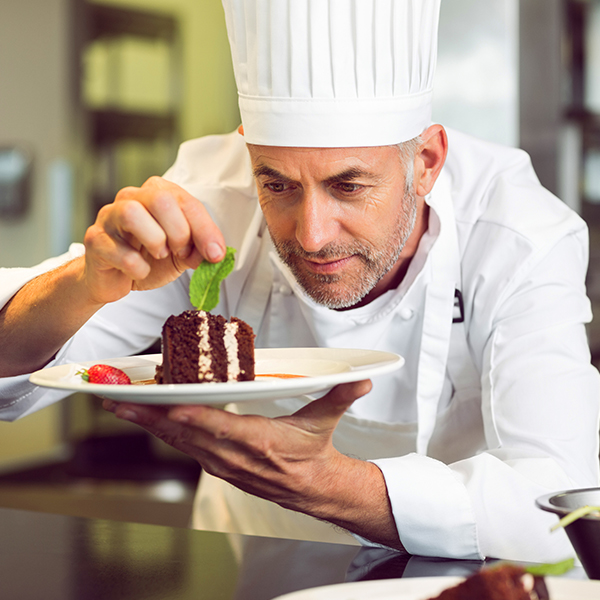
430 158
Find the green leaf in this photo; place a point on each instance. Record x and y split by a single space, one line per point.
551 569
206 281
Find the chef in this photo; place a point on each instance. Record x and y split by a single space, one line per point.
358 224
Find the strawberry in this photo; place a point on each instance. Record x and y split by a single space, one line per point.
105 374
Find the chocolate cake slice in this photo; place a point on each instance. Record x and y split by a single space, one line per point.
198 347
505 582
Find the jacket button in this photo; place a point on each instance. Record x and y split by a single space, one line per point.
407 314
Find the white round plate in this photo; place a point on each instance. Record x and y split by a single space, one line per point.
421 588
317 370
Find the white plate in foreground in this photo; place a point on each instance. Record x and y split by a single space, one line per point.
421 588
316 370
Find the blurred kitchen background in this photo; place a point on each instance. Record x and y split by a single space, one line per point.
95 96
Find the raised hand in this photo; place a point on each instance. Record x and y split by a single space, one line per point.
146 238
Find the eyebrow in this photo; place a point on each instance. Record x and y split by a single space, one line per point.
349 174
264 171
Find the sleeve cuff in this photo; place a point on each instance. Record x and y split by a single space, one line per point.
13 279
19 397
431 507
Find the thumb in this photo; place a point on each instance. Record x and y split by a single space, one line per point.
325 412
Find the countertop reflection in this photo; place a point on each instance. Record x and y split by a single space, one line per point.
58 557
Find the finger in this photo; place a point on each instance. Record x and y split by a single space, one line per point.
325 412
229 438
198 425
165 207
190 232
217 423
139 413
319 415
152 216
154 420
237 448
206 236
132 220
131 225
109 252
109 405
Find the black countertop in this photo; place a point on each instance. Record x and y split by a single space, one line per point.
56 557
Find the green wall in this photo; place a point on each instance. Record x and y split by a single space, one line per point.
209 97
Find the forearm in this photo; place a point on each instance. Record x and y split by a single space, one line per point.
354 496
42 316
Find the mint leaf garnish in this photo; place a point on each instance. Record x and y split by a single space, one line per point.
206 281
551 569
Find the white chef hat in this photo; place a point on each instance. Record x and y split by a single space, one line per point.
333 73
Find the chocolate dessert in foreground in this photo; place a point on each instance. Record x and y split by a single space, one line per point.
198 347
506 582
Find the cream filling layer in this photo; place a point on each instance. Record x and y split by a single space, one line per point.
204 360
231 347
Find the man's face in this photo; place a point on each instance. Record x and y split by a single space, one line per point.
339 217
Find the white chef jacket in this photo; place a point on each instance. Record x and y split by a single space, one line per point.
485 416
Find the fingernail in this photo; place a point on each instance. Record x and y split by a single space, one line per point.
185 251
129 415
109 405
214 252
181 418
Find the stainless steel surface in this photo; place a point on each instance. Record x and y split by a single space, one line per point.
120 477
167 503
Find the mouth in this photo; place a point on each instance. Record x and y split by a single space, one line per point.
327 267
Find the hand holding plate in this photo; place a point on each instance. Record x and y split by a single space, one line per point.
288 460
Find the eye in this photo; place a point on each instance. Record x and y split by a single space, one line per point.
348 188
278 187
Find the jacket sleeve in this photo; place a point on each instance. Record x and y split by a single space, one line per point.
17 395
214 170
122 328
540 404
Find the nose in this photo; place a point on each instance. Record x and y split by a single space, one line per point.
316 221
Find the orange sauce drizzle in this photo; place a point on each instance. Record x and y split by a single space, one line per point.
280 375
271 375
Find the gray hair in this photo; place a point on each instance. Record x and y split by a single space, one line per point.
407 152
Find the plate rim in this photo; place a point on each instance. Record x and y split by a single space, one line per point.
372 585
561 588
222 392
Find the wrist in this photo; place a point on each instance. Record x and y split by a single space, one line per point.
42 316
353 495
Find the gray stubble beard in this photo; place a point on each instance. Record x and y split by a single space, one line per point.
377 262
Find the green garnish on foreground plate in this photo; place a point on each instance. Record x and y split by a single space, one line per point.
206 281
551 569
541 570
